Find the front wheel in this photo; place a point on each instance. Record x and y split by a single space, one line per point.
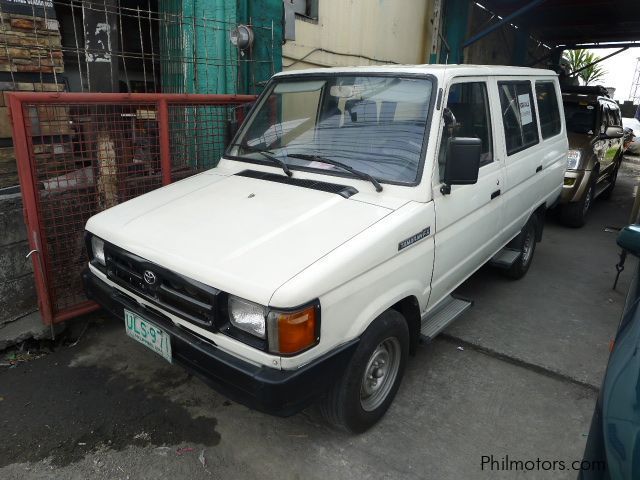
369 384
575 214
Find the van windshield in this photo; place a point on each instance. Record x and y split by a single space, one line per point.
374 124
580 117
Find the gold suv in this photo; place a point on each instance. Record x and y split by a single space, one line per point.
594 127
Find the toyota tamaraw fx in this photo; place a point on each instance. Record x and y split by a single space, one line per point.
309 262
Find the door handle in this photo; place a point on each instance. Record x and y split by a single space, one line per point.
495 194
539 169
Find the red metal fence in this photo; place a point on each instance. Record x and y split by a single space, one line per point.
79 154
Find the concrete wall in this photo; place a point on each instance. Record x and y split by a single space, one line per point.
17 290
628 109
383 30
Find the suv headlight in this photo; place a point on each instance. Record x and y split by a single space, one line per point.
287 331
573 159
97 249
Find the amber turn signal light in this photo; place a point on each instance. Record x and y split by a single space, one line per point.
293 332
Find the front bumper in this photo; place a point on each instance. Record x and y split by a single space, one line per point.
575 185
273 391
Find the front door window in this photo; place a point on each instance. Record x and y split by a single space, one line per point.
467 115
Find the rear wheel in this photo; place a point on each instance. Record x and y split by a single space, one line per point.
575 214
367 387
526 243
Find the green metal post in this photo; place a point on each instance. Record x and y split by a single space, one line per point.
456 18
519 55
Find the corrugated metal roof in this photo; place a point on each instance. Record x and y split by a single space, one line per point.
569 22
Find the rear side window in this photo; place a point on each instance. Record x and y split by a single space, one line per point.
548 109
518 115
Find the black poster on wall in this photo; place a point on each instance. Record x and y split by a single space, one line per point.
37 8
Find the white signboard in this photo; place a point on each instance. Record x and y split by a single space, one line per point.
524 101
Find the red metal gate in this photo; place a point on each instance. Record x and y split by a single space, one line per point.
80 153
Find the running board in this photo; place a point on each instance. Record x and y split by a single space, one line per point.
505 258
445 313
601 187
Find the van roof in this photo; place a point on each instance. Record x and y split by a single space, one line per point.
462 70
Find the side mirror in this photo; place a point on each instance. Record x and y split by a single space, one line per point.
629 239
463 162
613 132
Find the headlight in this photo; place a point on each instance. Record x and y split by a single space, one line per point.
573 159
286 332
248 316
97 248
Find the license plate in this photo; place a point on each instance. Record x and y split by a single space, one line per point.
148 334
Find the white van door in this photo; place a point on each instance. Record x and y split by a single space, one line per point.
533 145
523 156
469 219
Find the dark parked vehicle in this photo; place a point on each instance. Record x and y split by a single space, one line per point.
631 138
594 127
614 437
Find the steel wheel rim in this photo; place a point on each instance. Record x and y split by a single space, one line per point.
380 374
527 247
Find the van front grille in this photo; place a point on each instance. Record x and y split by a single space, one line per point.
181 296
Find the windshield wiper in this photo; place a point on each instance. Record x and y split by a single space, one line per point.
268 154
330 161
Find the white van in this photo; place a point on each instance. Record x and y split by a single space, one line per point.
327 242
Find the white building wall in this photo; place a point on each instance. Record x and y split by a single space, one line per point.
362 32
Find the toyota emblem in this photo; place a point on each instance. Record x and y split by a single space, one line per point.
150 277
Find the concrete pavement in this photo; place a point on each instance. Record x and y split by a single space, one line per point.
516 376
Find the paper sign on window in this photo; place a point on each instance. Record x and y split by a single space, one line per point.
526 116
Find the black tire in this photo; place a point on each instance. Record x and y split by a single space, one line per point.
606 194
575 214
526 243
348 404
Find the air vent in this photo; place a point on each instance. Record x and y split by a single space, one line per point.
343 190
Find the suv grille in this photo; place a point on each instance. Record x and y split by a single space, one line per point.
186 298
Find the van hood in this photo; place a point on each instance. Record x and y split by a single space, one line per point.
242 235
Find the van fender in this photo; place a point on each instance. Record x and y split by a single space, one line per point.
383 302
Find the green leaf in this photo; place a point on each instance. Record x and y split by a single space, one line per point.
579 59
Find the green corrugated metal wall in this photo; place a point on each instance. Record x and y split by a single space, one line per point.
211 64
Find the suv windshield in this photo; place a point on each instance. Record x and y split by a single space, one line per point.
373 124
580 117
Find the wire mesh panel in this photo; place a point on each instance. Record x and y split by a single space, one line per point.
138 45
192 128
80 154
